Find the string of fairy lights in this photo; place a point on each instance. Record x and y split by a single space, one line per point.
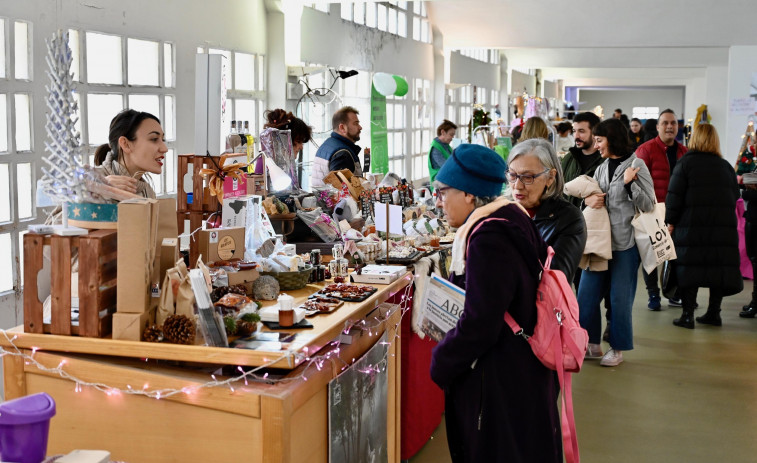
257 374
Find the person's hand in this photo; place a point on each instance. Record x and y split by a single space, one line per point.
596 201
630 174
671 228
123 182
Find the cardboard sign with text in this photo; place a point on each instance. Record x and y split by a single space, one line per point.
222 244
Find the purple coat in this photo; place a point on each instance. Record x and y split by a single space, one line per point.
505 407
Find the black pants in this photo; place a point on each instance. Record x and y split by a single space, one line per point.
750 239
651 281
689 298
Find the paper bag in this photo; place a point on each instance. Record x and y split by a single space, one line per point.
652 238
137 231
167 228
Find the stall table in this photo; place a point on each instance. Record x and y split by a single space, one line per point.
282 421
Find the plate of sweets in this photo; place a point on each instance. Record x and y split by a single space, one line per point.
347 292
321 305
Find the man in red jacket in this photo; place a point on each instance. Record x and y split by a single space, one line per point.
660 155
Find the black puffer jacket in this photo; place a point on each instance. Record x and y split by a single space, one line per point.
701 205
562 226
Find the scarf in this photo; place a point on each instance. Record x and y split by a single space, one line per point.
111 166
459 246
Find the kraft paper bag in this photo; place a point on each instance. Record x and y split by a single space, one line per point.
166 227
137 231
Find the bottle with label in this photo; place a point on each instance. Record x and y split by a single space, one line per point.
338 265
232 139
250 147
242 146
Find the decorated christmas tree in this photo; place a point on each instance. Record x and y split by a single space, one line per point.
747 158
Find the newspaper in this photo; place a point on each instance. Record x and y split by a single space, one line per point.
442 305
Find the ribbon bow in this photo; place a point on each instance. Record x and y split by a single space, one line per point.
217 176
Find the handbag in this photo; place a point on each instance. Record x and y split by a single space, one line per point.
669 279
652 237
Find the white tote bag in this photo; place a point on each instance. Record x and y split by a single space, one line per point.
652 237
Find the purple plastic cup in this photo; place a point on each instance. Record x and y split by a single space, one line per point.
24 427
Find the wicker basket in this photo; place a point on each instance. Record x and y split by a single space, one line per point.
291 280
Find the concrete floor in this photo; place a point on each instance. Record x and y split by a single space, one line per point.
680 396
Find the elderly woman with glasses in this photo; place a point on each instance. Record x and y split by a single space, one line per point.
500 401
536 183
136 145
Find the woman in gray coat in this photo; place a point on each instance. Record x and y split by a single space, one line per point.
627 186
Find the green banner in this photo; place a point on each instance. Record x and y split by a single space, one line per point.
379 144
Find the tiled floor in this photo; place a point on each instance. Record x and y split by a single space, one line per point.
680 396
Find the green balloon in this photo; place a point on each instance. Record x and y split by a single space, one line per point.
401 86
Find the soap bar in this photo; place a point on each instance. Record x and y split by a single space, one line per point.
85 456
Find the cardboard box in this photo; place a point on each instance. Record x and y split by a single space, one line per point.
233 187
243 277
234 211
379 274
222 244
130 326
256 185
137 232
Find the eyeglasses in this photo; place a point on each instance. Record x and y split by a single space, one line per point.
527 179
441 193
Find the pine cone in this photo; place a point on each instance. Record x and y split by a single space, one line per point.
153 334
179 329
246 328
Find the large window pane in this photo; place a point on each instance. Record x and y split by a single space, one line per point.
381 17
24 183
101 110
244 71
168 118
104 63
169 165
2 48
402 24
23 122
168 71
147 103
3 122
359 12
416 28
5 194
392 20
21 261
261 72
6 263
22 50
155 181
143 62
73 44
245 111
370 14
347 11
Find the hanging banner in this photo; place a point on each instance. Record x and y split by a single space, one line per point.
379 145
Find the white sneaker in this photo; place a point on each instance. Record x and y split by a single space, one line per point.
612 358
594 351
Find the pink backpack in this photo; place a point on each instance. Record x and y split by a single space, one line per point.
558 340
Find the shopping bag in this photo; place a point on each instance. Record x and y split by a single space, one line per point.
652 237
669 280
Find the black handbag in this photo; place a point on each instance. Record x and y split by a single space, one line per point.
669 279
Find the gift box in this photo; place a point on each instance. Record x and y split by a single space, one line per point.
222 244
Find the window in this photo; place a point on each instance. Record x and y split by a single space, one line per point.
125 72
323 7
245 87
396 128
389 17
459 109
422 128
645 112
490 56
22 51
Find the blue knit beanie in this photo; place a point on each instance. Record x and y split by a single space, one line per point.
474 169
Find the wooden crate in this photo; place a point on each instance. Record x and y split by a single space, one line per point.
97 282
203 203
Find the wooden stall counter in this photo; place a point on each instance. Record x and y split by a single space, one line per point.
283 420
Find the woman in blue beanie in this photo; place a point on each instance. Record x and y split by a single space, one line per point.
500 401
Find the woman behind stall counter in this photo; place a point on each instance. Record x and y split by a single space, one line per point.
136 145
536 183
500 401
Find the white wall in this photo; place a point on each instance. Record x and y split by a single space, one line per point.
626 99
465 70
329 40
520 81
742 63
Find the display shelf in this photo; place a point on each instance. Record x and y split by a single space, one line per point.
326 328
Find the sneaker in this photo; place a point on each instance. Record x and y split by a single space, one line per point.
612 358
594 351
675 303
654 302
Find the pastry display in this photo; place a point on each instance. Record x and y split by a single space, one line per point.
347 292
